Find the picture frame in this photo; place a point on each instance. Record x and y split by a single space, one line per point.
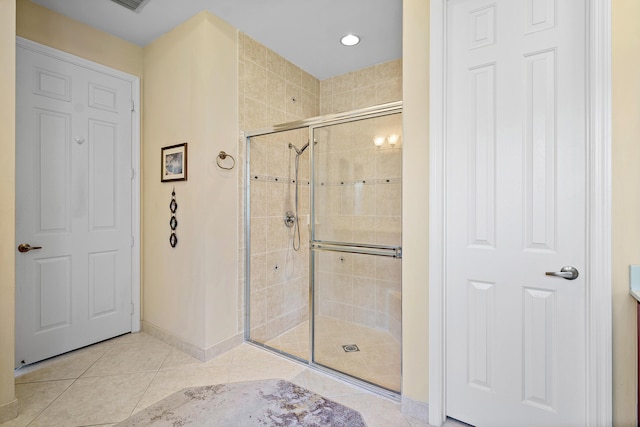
174 163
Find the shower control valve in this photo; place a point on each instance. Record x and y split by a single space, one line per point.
289 219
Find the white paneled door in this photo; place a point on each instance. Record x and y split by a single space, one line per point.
73 206
515 179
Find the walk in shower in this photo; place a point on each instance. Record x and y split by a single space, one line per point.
323 240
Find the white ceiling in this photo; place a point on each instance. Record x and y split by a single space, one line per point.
306 32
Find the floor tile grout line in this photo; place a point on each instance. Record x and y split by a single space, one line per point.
46 381
94 362
142 394
51 403
73 381
150 382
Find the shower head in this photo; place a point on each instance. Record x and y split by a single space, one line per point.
300 151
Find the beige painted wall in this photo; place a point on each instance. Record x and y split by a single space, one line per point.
626 202
8 407
44 26
190 89
415 201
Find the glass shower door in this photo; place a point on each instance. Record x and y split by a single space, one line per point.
356 248
277 248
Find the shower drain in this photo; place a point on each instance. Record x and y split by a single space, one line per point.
350 348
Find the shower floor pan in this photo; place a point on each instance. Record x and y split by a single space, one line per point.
378 360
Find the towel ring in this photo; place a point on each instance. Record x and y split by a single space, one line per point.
222 156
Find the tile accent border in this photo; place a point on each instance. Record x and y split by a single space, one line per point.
415 409
9 411
192 350
278 179
283 180
364 182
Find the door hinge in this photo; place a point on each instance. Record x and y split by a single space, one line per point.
132 309
133 173
132 241
133 106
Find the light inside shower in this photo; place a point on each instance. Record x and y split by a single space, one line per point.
392 139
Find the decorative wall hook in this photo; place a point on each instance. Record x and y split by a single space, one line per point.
222 156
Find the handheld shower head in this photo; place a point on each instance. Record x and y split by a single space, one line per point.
300 151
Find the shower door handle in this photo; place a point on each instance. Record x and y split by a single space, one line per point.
355 248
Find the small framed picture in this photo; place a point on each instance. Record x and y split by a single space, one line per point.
174 163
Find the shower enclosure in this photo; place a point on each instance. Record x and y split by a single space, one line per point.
323 239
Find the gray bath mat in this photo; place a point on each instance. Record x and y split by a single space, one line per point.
246 404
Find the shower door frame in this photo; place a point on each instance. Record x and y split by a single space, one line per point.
311 124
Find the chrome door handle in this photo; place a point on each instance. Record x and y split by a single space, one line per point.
25 247
567 272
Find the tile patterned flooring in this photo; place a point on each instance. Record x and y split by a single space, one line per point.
105 383
378 361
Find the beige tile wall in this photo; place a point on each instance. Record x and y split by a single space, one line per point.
358 200
279 274
272 90
374 85
361 289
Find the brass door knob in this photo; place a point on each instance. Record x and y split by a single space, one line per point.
25 247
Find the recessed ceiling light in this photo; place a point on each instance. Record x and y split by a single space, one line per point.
350 40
